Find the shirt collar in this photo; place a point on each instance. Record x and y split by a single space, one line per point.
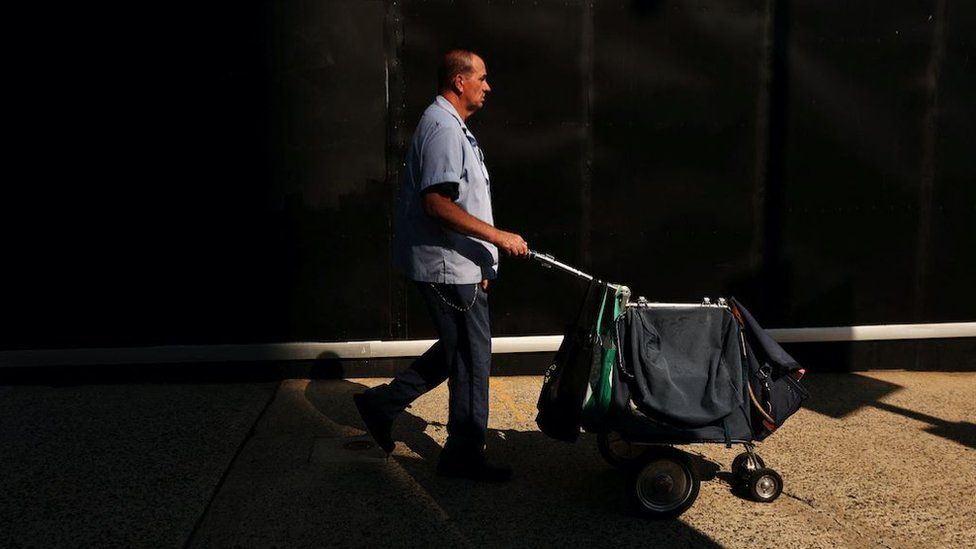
447 106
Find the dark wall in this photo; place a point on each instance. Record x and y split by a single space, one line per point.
227 173
878 224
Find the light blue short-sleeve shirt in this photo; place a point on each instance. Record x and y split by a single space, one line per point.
443 150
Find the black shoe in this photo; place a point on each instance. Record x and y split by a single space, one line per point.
379 427
477 469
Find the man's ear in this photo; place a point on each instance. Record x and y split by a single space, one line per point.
459 83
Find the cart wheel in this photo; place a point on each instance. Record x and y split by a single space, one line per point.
617 451
742 466
765 485
666 486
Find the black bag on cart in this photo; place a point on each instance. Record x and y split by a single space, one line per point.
774 376
682 366
569 377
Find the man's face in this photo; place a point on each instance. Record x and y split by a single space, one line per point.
475 85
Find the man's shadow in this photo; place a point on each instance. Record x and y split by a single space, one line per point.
560 493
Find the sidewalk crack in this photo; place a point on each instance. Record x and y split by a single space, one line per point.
809 502
230 466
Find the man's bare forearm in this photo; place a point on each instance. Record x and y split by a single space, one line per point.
458 220
455 218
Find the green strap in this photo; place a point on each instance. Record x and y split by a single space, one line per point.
596 393
609 357
599 317
599 401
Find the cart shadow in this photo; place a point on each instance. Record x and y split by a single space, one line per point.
735 486
712 470
840 395
561 494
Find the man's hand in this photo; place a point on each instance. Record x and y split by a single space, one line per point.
511 243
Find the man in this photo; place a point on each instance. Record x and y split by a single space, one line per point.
445 241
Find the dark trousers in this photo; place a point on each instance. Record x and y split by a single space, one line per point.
462 356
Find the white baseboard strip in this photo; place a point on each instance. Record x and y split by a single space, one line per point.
944 330
407 349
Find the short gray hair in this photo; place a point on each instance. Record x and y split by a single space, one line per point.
455 62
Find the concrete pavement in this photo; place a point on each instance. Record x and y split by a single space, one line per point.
117 465
879 459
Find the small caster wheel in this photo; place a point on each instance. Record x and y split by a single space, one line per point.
666 486
743 466
618 452
765 485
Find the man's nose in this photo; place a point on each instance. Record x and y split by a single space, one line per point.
487 87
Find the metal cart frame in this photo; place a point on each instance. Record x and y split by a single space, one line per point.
665 481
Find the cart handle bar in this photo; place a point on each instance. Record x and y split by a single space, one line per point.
549 261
